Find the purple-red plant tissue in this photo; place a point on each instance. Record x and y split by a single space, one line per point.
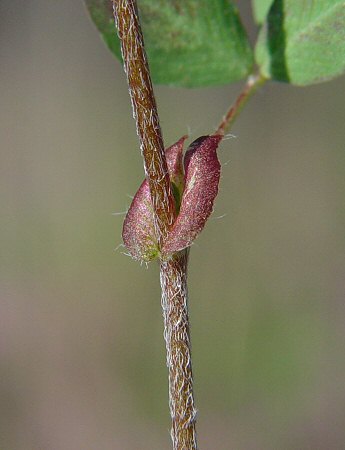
202 173
138 231
197 188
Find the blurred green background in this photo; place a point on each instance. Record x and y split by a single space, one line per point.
82 356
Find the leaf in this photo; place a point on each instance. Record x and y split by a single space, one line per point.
189 42
138 232
303 42
260 9
202 173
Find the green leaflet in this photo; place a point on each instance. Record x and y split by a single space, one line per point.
303 41
189 42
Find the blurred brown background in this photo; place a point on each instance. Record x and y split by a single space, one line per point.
82 357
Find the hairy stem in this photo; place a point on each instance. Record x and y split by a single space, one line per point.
145 114
173 272
253 83
177 337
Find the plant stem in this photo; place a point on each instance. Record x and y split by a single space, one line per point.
173 272
173 277
253 83
145 114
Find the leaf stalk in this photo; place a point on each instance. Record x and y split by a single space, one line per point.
252 85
